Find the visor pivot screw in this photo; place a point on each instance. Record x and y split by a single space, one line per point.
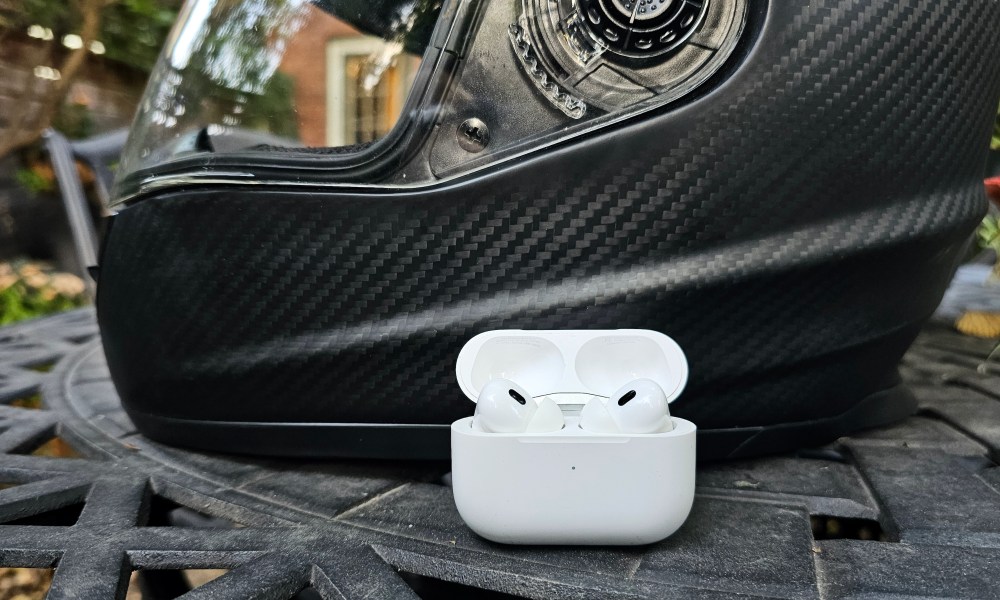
473 135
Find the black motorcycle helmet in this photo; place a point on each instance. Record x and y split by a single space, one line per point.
322 200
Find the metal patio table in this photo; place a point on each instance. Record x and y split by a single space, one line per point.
908 510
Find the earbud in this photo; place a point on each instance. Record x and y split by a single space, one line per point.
505 407
637 407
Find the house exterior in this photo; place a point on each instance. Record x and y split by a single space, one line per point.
328 60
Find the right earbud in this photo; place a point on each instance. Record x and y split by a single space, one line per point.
505 407
637 407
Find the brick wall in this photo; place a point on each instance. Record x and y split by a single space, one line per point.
305 62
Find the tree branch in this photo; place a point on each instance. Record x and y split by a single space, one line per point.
29 128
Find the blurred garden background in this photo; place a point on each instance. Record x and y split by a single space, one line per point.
78 67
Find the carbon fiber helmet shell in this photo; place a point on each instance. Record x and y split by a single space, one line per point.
791 222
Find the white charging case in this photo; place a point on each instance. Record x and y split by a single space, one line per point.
572 486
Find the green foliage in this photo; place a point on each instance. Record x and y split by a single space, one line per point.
233 74
33 182
48 13
29 290
988 234
273 110
132 31
74 121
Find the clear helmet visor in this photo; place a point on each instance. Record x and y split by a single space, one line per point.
285 73
406 92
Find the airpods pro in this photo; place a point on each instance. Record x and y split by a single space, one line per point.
574 424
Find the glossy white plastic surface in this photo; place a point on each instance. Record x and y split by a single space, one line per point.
568 364
573 486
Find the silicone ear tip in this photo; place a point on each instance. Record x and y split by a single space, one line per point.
595 417
548 417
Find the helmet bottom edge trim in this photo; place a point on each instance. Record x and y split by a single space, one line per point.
432 442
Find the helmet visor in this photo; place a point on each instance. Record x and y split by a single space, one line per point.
239 74
406 92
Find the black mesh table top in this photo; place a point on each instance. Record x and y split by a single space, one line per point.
909 510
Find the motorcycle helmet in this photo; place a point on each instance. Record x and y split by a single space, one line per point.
322 200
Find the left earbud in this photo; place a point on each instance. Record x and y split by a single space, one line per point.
505 407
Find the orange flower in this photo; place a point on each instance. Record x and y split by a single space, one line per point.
993 189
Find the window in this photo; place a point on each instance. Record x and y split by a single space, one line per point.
367 83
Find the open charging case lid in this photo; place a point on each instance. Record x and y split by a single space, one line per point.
572 366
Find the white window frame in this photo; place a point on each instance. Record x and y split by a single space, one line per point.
338 50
